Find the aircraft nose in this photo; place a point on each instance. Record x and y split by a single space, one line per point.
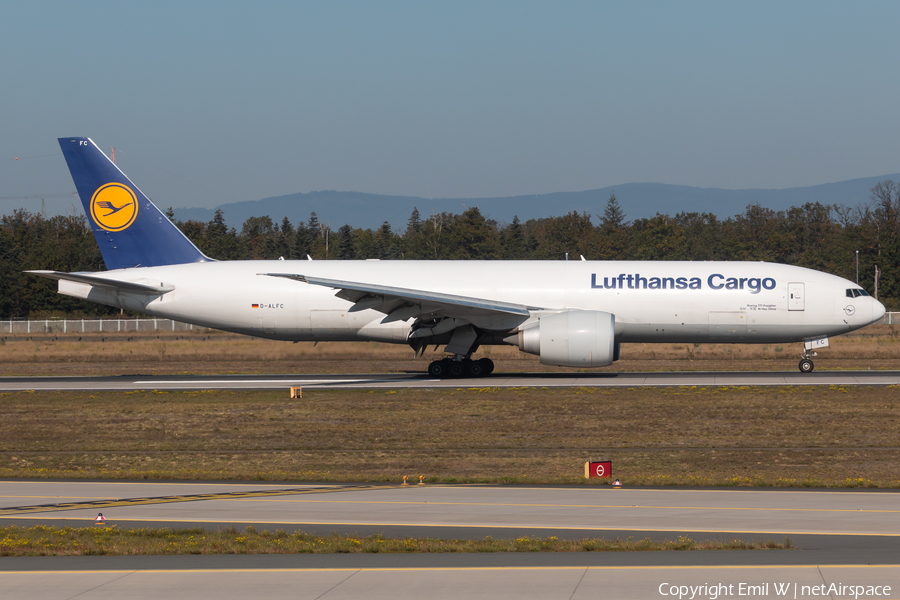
877 310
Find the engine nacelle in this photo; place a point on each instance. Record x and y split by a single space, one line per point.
575 338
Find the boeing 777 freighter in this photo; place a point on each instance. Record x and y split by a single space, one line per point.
572 314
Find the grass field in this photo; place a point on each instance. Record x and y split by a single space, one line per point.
42 540
788 436
210 352
784 436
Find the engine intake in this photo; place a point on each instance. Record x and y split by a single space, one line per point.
575 338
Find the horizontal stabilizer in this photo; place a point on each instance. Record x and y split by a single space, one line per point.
125 286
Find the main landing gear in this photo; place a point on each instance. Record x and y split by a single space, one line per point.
448 368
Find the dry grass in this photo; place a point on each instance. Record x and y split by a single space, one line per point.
42 540
210 352
787 436
717 436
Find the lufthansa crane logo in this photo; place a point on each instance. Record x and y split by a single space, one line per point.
114 207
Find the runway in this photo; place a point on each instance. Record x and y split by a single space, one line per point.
825 525
419 380
842 536
709 511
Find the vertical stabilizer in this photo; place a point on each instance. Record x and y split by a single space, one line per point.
130 230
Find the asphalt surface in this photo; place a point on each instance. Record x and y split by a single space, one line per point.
846 537
823 524
418 380
438 583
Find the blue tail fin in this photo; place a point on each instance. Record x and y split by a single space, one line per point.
130 230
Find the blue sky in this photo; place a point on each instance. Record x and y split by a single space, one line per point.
215 102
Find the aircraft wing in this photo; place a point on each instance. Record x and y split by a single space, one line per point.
90 279
402 303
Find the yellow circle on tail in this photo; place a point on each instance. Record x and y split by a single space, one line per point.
114 207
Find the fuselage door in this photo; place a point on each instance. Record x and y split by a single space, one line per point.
796 296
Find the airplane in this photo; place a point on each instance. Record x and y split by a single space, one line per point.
112 209
569 313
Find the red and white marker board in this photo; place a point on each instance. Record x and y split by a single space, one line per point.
598 469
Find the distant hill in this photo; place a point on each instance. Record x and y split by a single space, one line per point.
638 200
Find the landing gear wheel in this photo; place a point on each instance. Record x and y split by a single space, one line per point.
475 368
456 369
487 365
806 366
438 369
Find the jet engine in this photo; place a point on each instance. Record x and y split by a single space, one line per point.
575 338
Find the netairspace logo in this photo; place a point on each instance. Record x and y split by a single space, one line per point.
716 281
712 591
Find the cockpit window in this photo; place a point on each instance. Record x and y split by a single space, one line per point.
856 293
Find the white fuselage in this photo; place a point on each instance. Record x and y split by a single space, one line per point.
652 301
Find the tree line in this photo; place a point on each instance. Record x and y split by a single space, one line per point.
819 236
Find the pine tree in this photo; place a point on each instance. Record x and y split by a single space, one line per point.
384 242
613 216
285 240
514 240
345 243
222 243
614 232
305 236
414 225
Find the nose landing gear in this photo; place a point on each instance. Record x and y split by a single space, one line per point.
806 363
